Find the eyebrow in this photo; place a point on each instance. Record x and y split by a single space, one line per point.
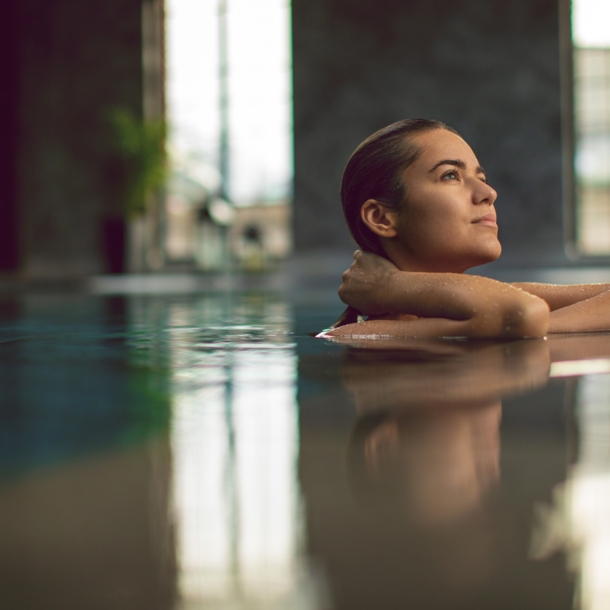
457 163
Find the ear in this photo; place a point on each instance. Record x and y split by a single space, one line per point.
381 448
379 218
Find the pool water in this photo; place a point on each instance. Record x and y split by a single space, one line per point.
205 451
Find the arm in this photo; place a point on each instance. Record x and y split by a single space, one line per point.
559 296
444 304
576 308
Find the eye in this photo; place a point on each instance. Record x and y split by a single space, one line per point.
451 175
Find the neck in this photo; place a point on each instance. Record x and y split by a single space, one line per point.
405 261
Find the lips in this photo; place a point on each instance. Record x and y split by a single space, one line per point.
488 219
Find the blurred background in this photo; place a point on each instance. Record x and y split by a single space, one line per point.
185 136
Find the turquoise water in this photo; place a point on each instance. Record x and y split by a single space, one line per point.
204 451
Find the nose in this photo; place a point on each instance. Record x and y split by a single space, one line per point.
483 194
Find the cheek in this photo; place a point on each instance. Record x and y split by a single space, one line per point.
433 224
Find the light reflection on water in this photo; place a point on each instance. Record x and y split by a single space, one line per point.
578 521
235 442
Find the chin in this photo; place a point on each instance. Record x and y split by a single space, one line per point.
494 253
489 256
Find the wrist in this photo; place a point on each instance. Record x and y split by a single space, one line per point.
390 291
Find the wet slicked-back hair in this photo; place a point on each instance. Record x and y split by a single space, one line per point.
374 171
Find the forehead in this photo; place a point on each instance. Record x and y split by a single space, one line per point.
442 144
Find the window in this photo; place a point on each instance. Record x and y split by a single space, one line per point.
230 116
591 56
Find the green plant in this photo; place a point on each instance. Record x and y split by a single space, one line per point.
140 148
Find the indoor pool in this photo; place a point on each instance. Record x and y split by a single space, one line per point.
204 451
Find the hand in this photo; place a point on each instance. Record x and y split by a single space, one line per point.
365 281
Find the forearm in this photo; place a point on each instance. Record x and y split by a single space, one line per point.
559 296
436 295
424 327
589 315
486 325
430 295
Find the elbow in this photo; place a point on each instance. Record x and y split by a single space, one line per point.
528 319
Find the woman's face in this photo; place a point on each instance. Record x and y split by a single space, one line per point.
448 222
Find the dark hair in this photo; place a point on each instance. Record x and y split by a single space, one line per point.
374 171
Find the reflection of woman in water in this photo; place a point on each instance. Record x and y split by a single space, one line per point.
418 204
428 421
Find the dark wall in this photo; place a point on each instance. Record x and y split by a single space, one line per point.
75 60
9 137
489 68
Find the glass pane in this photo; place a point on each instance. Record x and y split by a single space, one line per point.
230 117
591 39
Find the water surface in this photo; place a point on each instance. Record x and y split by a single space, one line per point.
204 451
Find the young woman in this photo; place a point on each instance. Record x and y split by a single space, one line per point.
417 202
